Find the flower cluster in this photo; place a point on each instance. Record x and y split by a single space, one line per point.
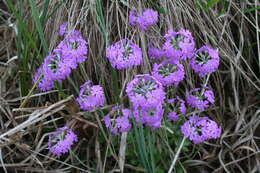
199 129
124 54
91 96
205 61
179 45
61 141
155 53
145 20
151 117
168 72
200 98
177 107
147 97
57 66
145 92
121 123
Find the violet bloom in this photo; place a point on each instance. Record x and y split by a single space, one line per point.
143 21
205 61
61 141
200 98
199 129
177 107
155 52
150 117
179 45
74 47
63 29
45 84
145 92
90 96
121 123
169 72
124 54
56 67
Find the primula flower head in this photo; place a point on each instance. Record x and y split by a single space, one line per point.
155 52
169 72
200 98
124 54
177 106
205 61
45 84
56 67
145 91
150 117
91 96
74 47
63 29
143 21
61 141
199 129
121 123
179 45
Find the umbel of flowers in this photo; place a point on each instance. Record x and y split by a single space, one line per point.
90 96
57 66
121 123
143 21
124 54
62 140
168 72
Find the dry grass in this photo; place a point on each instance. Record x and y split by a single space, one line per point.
24 131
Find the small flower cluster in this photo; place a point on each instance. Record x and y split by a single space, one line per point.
169 72
145 92
61 141
179 45
57 66
147 97
199 129
124 54
121 123
145 20
200 98
177 106
91 96
205 61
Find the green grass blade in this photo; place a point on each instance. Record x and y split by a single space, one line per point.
210 4
36 17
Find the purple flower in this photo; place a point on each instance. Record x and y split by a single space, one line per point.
145 92
145 20
205 61
61 141
74 47
150 117
199 129
168 72
56 67
176 106
179 45
124 54
45 84
200 98
155 53
91 96
63 29
121 123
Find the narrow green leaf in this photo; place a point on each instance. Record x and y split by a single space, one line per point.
35 14
210 4
250 9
